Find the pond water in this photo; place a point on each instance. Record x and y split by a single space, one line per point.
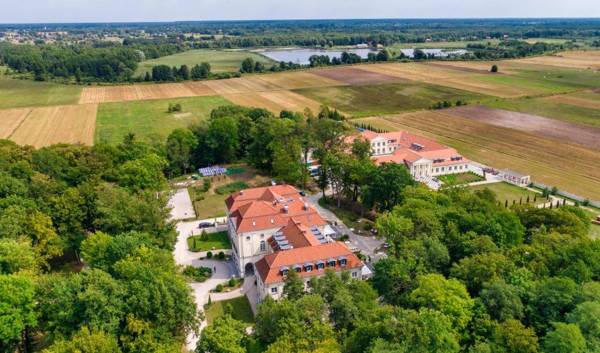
301 56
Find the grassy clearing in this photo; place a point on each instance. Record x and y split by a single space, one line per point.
209 203
213 241
149 120
382 99
219 60
15 93
459 179
571 168
240 310
549 109
508 193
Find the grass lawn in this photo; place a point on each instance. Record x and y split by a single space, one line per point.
16 93
149 120
219 60
215 241
461 178
508 192
389 98
212 206
241 310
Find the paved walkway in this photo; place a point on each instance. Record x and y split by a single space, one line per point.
222 272
181 205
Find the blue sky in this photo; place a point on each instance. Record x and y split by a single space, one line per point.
18 11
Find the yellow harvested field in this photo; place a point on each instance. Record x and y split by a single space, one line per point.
299 79
569 167
11 119
475 66
577 101
61 124
94 95
274 101
448 77
240 85
571 59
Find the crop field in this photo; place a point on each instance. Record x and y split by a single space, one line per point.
241 85
60 124
569 167
355 76
149 120
143 92
507 193
219 60
564 132
573 59
551 107
450 77
299 79
590 99
367 100
275 101
16 93
11 119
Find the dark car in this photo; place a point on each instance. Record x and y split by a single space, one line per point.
205 225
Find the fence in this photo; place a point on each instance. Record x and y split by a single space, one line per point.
568 195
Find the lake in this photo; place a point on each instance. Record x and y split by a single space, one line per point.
301 56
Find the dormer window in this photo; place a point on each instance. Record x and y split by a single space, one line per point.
331 263
320 265
284 270
308 267
343 261
298 268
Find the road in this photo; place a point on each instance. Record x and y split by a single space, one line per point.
367 245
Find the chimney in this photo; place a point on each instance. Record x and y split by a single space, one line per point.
286 209
306 206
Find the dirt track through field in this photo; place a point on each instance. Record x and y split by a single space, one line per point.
61 124
587 136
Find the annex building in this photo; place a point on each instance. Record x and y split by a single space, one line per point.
424 158
274 230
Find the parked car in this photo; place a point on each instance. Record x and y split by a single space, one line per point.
203 225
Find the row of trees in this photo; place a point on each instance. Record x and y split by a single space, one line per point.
164 73
101 204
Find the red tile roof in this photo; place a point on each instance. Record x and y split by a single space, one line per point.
270 207
298 235
403 153
269 267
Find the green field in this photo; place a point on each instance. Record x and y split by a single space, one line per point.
389 98
219 60
16 93
241 310
508 192
149 120
214 241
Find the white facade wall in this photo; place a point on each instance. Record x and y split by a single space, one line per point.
275 290
450 169
249 247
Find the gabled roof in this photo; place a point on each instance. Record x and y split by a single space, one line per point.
269 267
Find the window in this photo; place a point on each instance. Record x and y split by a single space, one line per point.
308 267
320 265
298 268
342 261
354 274
274 290
331 263
263 245
248 238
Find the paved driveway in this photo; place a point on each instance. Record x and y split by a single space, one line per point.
181 205
366 244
